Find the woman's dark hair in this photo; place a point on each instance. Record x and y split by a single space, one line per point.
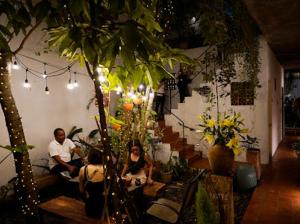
135 142
95 157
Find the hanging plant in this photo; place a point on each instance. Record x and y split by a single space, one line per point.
227 25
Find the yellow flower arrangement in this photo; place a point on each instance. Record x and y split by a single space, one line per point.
226 130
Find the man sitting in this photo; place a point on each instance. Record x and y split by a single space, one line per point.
60 153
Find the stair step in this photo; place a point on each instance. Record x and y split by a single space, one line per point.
171 136
161 124
187 149
178 144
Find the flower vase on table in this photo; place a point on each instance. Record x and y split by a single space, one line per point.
225 135
220 160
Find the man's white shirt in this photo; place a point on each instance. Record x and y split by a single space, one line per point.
61 150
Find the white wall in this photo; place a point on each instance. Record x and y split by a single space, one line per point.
263 119
276 73
42 113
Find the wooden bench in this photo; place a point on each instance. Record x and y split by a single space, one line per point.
70 209
46 180
154 189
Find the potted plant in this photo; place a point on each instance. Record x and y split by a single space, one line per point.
225 134
166 170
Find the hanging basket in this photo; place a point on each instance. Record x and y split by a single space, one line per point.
220 160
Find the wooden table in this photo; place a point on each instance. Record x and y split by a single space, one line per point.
154 189
68 208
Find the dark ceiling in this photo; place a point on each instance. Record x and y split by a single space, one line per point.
279 21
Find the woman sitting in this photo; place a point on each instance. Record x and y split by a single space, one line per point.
137 161
91 184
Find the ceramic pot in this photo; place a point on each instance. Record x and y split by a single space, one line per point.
166 177
220 159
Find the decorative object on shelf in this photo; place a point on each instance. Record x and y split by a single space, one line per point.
226 135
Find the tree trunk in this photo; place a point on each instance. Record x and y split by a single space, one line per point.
25 185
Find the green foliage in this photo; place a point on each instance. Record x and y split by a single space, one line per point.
74 131
205 212
227 25
20 149
17 16
97 32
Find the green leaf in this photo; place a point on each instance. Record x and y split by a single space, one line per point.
23 16
76 7
8 9
88 50
130 35
5 31
41 10
74 131
4 44
128 58
93 133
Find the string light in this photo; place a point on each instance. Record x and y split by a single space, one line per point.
15 65
119 90
75 84
26 83
47 91
141 87
70 84
45 72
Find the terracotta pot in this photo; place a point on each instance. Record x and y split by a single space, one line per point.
166 177
220 159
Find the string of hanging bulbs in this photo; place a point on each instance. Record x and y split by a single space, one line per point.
72 81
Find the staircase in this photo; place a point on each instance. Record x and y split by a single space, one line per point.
186 151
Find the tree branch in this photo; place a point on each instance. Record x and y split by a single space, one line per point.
26 37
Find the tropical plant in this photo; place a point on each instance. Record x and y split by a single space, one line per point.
134 118
95 33
226 130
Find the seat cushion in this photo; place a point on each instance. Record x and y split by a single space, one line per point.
160 210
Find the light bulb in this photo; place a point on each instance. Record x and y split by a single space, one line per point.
75 84
26 84
47 91
70 85
101 78
119 89
45 75
141 87
15 65
151 95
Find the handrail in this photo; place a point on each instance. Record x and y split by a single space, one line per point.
181 122
171 96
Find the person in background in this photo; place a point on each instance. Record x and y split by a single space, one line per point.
91 183
60 154
182 84
160 100
134 168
